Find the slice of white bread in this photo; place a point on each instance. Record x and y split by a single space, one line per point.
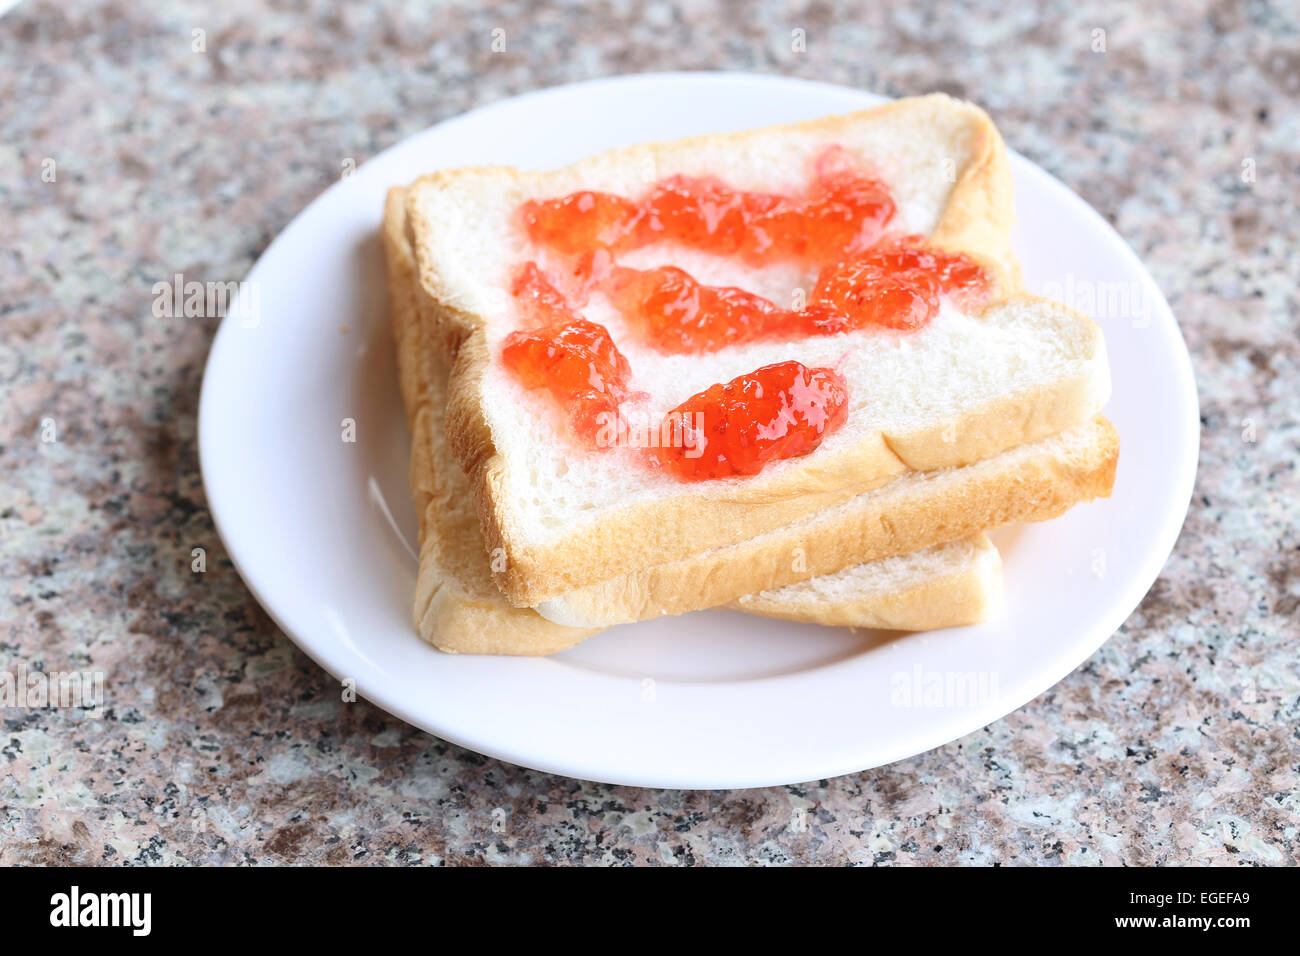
949 584
1032 482
964 388
459 609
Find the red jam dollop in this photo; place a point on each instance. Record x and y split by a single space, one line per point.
776 412
956 275
540 303
844 211
579 366
671 312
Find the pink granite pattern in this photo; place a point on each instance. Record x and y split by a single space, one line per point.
221 743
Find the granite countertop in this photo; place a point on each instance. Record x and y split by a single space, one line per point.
222 743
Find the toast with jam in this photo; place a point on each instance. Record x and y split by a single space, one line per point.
459 609
674 366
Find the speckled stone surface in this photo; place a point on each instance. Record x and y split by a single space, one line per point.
1177 742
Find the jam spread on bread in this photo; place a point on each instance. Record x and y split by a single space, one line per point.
538 300
778 411
671 312
578 365
842 212
864 280
894 285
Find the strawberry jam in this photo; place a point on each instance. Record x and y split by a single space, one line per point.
776 412
578 365
957 275
843 212
673 313
859 293
895 286
583 221
540 302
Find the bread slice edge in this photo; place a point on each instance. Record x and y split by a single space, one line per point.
1033 482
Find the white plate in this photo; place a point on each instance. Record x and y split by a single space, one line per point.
323 530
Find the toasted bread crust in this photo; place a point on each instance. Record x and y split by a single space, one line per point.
967 595
912 515
458 608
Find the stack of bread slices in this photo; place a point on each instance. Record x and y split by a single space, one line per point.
986 416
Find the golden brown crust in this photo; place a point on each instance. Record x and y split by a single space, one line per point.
892 521
453 619
967 595
458 608
980 212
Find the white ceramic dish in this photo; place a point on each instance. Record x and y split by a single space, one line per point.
323 532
